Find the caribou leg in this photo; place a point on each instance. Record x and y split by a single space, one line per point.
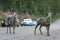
48 30
40 30
13 30
10 29
7 29
35 29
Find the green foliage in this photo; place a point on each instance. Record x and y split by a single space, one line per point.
37 7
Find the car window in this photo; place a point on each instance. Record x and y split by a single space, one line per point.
27 20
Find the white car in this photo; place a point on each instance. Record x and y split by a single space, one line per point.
28 22
34 22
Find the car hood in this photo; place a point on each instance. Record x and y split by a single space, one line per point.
26 22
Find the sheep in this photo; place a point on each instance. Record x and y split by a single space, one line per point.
43 22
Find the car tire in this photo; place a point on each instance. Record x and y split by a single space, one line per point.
21 24
2 24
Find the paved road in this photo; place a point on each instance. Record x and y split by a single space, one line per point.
27 33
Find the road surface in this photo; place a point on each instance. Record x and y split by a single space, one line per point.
27 33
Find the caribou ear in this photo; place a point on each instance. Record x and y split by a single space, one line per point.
14 14
49 14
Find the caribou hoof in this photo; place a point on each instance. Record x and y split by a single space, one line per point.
13 33
34 33
7 32
48 35
10 32
41 33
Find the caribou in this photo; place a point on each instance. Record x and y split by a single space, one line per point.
11 21
43 22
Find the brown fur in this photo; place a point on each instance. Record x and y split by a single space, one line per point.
43 22
11 22
13 25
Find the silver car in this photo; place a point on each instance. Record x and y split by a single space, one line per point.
28 22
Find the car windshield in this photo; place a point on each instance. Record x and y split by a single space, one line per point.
27 20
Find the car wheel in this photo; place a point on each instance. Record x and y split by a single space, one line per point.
21 24
3 25
17 25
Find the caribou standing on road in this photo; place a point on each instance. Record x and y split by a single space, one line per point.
11 21
43 22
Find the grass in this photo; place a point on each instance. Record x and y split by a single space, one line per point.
54 18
